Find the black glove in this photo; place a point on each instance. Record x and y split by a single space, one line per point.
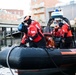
65 35
22 45
28 39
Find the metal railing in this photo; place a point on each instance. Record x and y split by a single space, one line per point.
8 40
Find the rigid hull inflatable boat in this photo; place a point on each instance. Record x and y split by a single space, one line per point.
46 60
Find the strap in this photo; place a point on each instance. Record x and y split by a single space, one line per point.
39 33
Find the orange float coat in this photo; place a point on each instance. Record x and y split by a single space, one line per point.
65 29
34 33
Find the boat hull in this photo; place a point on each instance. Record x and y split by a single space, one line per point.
38 58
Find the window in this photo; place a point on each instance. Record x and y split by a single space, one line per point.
42 17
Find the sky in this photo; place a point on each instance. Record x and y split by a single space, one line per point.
66 1
15 4
20 4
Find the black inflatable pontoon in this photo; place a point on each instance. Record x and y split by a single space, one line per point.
37 58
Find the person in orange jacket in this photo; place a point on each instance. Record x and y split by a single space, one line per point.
34 34
66 35
56 31
57 36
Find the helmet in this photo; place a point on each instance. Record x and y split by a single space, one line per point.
27 19
61 24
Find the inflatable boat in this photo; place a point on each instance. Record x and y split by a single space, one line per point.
37 58
46 60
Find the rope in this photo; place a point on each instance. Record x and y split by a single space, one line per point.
7 58
54 62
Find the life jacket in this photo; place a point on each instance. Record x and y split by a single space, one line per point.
65 29
37 25
35 33
57 32
49 42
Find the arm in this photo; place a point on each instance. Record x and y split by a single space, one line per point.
23 40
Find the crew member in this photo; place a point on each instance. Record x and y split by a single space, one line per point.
57 36
66 34
34 34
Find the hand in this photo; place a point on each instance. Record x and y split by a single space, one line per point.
30 39
22 45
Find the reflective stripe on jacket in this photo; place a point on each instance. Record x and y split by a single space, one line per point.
36 24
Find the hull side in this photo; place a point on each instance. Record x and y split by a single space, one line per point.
37 58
